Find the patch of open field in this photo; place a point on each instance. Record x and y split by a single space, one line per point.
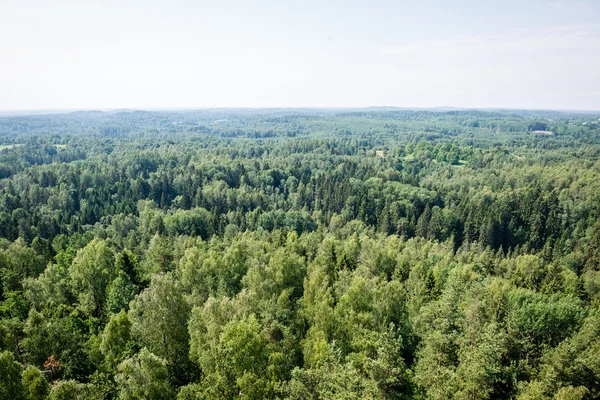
9 146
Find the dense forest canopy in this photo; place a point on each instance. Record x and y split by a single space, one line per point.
300 254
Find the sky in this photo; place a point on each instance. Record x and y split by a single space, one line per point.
147 54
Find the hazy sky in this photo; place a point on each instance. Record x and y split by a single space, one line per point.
260 53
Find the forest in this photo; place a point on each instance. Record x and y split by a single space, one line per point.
300 254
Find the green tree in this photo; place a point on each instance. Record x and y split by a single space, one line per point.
71 390
144 376
158 257
238 363
116 341
479 363
91 272
159 316
332 380
11 386
36 386
119 293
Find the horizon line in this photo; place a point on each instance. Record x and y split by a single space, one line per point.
66 110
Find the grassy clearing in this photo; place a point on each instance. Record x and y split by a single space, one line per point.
9 146
544 132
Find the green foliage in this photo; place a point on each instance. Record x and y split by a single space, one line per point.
62 336
116 340
534 319
91 272
36 386
333 380
159 318
72 390
144 376
119 293
11 386
382 254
